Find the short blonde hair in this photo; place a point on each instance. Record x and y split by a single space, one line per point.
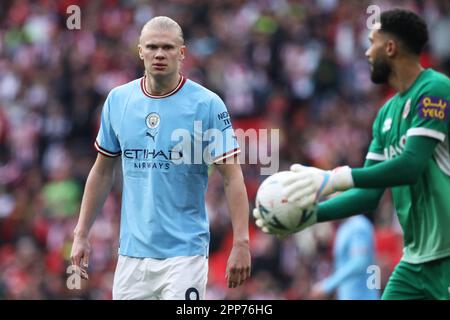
162 23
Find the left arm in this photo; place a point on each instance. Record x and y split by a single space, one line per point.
239 262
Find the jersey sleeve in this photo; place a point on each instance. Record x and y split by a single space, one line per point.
106 142
376 151
223 143
431 113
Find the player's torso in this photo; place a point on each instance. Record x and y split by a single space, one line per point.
423 207
398 114
151 131
395 123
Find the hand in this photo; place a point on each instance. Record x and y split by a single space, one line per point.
239 265
282 233
80 254
308 184
265 227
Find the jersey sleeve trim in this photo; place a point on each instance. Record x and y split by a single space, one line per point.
375 156
105 152
227 155
426 132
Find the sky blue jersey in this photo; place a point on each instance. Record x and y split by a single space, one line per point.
353 252
166 144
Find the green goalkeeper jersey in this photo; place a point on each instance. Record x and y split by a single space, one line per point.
423 208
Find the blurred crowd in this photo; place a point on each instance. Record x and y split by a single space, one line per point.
297 66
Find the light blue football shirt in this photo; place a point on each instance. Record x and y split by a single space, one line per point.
166 144
353 253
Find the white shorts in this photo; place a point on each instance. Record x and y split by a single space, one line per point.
178 278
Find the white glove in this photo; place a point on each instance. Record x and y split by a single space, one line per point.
282 233
309 184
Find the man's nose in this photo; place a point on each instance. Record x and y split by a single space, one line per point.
159 53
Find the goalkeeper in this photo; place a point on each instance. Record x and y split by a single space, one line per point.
409 152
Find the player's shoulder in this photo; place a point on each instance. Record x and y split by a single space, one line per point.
435 82
124 90
200 92
387 106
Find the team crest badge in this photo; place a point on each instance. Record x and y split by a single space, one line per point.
152 120
406 109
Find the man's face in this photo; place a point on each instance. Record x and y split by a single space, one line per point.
380 67
162 51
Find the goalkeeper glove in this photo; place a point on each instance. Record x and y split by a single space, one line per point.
309 184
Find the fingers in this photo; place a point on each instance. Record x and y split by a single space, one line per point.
84 266
75 259
84 274
256 213
298 190
247 272
296 167
258 219
81 269
306 201
295 177
85 260
80 259
301 183
236 276
260 223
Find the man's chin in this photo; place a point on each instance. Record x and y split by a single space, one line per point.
159 73
378 79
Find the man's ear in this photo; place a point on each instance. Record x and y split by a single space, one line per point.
141 55
182 52
391 48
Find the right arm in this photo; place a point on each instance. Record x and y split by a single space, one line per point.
404 169
351 202
98 186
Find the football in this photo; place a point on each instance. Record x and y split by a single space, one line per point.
275 209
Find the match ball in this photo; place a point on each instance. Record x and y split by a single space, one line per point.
275 209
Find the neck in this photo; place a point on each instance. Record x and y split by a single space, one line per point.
404 74
161 85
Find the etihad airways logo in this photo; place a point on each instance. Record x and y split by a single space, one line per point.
199 146
146 154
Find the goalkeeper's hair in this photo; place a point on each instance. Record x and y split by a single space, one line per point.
407 27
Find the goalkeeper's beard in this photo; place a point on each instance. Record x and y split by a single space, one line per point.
381 70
